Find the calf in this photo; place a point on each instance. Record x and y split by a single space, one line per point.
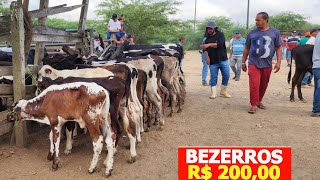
303 58
48 71
86 103
118 102
170 80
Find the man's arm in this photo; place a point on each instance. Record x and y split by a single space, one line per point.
244 58
278 64
207 57
231 52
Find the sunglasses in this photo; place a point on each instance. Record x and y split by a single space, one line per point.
237 33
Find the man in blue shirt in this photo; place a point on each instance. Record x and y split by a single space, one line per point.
236 54
261 44
316 75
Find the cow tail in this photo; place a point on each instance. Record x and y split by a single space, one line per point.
127 87
289 75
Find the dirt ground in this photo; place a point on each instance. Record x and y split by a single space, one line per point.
203 122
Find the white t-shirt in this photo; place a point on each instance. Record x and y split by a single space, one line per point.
114 25
311 41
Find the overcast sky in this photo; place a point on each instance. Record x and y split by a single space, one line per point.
235 9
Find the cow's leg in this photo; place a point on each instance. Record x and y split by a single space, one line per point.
114 114
51 151
148 113
56 143
70 126
130 127
299 87
133 152
97 142
111 149
293 84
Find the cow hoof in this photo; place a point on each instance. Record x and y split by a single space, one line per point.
67 152
291 100
156 123
179 111
147 129
303 100
91 171
170 115
159 128
54 167
50 156
108 173
132 159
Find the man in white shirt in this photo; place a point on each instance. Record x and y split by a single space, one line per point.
114 26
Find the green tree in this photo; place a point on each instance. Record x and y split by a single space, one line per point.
287 21
4 7
145 19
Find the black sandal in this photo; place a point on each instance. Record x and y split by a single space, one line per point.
252 110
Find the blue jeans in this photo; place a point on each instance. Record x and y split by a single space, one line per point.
288 55
118 35
316 96
205 68
224 67
307 79
284 52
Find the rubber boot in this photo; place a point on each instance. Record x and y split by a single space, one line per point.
224 93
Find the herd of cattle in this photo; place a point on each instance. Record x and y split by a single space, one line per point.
106 97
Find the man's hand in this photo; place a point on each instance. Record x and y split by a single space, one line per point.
205 46
208 60
277 67
244 67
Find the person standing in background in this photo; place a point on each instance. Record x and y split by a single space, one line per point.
314 33
293 41
180 44
284 46
205 66
305 39
236 53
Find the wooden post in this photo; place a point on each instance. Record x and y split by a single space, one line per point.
83 15
82 27
39 49
18 60
27 29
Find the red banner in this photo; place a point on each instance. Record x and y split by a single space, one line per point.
217 163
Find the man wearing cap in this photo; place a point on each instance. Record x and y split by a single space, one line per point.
236 53
293 41
316 74
261 44
114 26
216 56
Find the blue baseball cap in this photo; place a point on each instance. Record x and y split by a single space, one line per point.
237 32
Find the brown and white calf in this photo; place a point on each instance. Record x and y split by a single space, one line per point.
119 96
86 103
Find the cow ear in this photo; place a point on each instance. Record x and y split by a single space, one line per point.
48 71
